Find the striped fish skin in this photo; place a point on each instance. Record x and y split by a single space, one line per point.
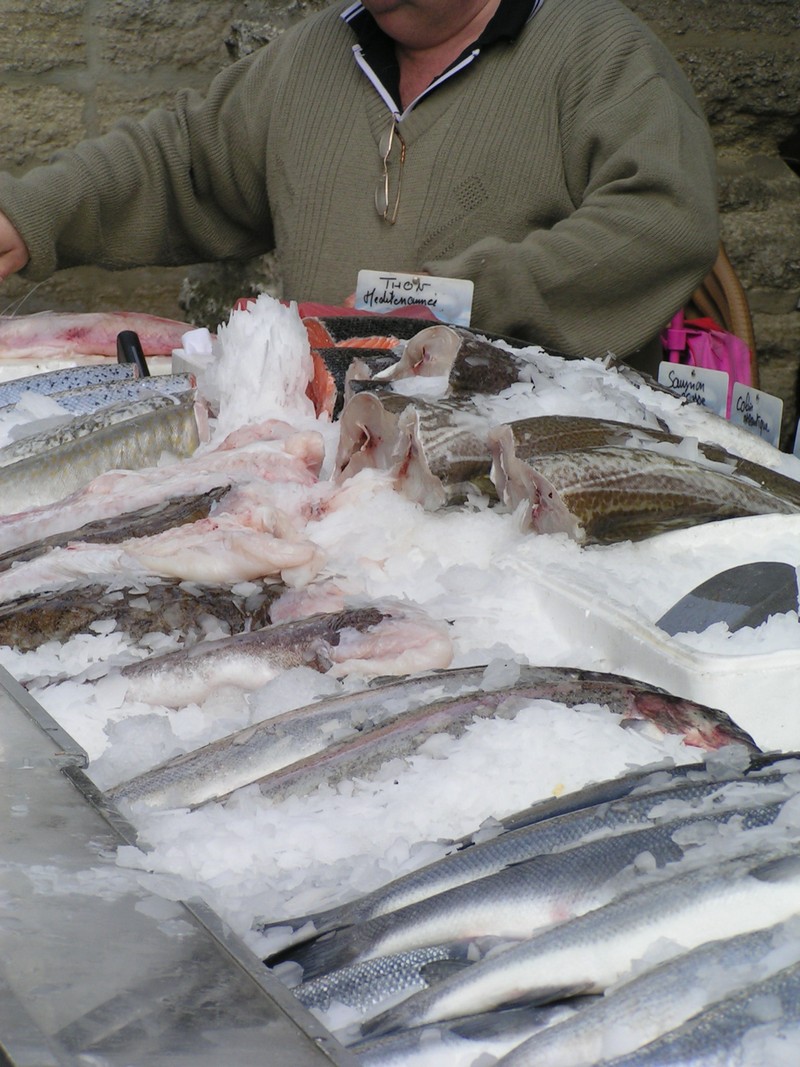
757 1027
552 835
592 951
153 428
64 380
607 495
519 899
661 999
748 765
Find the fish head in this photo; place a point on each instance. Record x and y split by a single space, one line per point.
518 483
430 353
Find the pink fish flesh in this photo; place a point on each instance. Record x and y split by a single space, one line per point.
55 334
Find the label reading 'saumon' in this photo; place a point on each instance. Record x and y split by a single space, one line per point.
707 388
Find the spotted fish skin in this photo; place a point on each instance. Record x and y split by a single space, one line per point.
87 399
608 495
568 433
64 380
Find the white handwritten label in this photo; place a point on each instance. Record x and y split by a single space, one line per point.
698 385
381 292
758 412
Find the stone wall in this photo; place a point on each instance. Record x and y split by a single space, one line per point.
69 67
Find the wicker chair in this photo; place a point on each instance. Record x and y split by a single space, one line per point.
721 297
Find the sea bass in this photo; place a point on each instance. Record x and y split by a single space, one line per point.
522 898
87 399
661 998
592 951
465 1041
44 471
366 641
757 1026
65 335
683 798
607 495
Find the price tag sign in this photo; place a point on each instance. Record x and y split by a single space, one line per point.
758 412
708 388
382 292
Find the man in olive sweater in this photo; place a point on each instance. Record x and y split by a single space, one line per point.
549 150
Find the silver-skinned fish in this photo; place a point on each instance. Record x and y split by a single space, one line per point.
661 998
592 951
551 835
523 897
43 469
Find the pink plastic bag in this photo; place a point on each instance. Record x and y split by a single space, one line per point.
703 343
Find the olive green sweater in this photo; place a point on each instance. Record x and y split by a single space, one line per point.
569 174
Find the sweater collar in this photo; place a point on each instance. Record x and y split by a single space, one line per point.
377 49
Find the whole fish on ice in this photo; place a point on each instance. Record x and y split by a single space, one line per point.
661 998
63 380
757 1026
569 433
683 797
462 1042
42 469
606 495
592 951
368 641
250 754
247 755
361 756
523 897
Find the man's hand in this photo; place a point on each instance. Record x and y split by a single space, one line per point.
13 251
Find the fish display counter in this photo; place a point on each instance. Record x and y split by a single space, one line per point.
95 966
415 656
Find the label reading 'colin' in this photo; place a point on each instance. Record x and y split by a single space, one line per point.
698 385
758 412
382 292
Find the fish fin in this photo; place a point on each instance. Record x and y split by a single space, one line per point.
438 970
318 955
776 870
